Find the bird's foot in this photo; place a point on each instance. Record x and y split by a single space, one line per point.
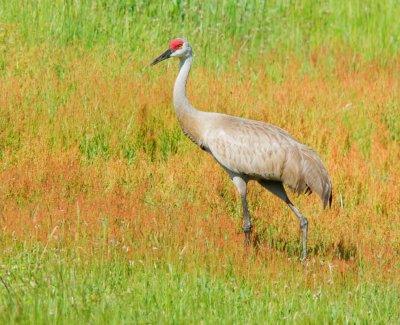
247 232
304 261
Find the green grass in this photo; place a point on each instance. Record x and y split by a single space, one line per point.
101 193
62 286
224 30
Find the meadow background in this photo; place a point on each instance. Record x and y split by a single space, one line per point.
108 214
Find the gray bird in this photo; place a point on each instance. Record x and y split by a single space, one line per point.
248 149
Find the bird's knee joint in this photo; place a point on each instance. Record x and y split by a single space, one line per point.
247 228
304 224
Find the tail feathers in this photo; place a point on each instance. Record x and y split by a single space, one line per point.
305 173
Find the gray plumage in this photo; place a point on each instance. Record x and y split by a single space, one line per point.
248 149
264 151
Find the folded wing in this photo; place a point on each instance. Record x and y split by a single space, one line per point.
263 151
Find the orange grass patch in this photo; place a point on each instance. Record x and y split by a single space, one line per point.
88 155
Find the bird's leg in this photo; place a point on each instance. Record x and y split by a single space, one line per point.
241 185
277 188
246 222
303 228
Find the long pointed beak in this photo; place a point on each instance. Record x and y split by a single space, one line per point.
162 57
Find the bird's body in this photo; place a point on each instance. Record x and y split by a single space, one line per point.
249 149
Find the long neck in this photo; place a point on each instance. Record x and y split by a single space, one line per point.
187 115
181 102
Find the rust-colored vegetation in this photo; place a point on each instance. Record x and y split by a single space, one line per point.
92 157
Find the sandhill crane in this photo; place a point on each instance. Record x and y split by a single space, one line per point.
248 149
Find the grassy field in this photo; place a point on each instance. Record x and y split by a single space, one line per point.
108 214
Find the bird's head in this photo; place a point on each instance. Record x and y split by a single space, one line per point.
178 47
